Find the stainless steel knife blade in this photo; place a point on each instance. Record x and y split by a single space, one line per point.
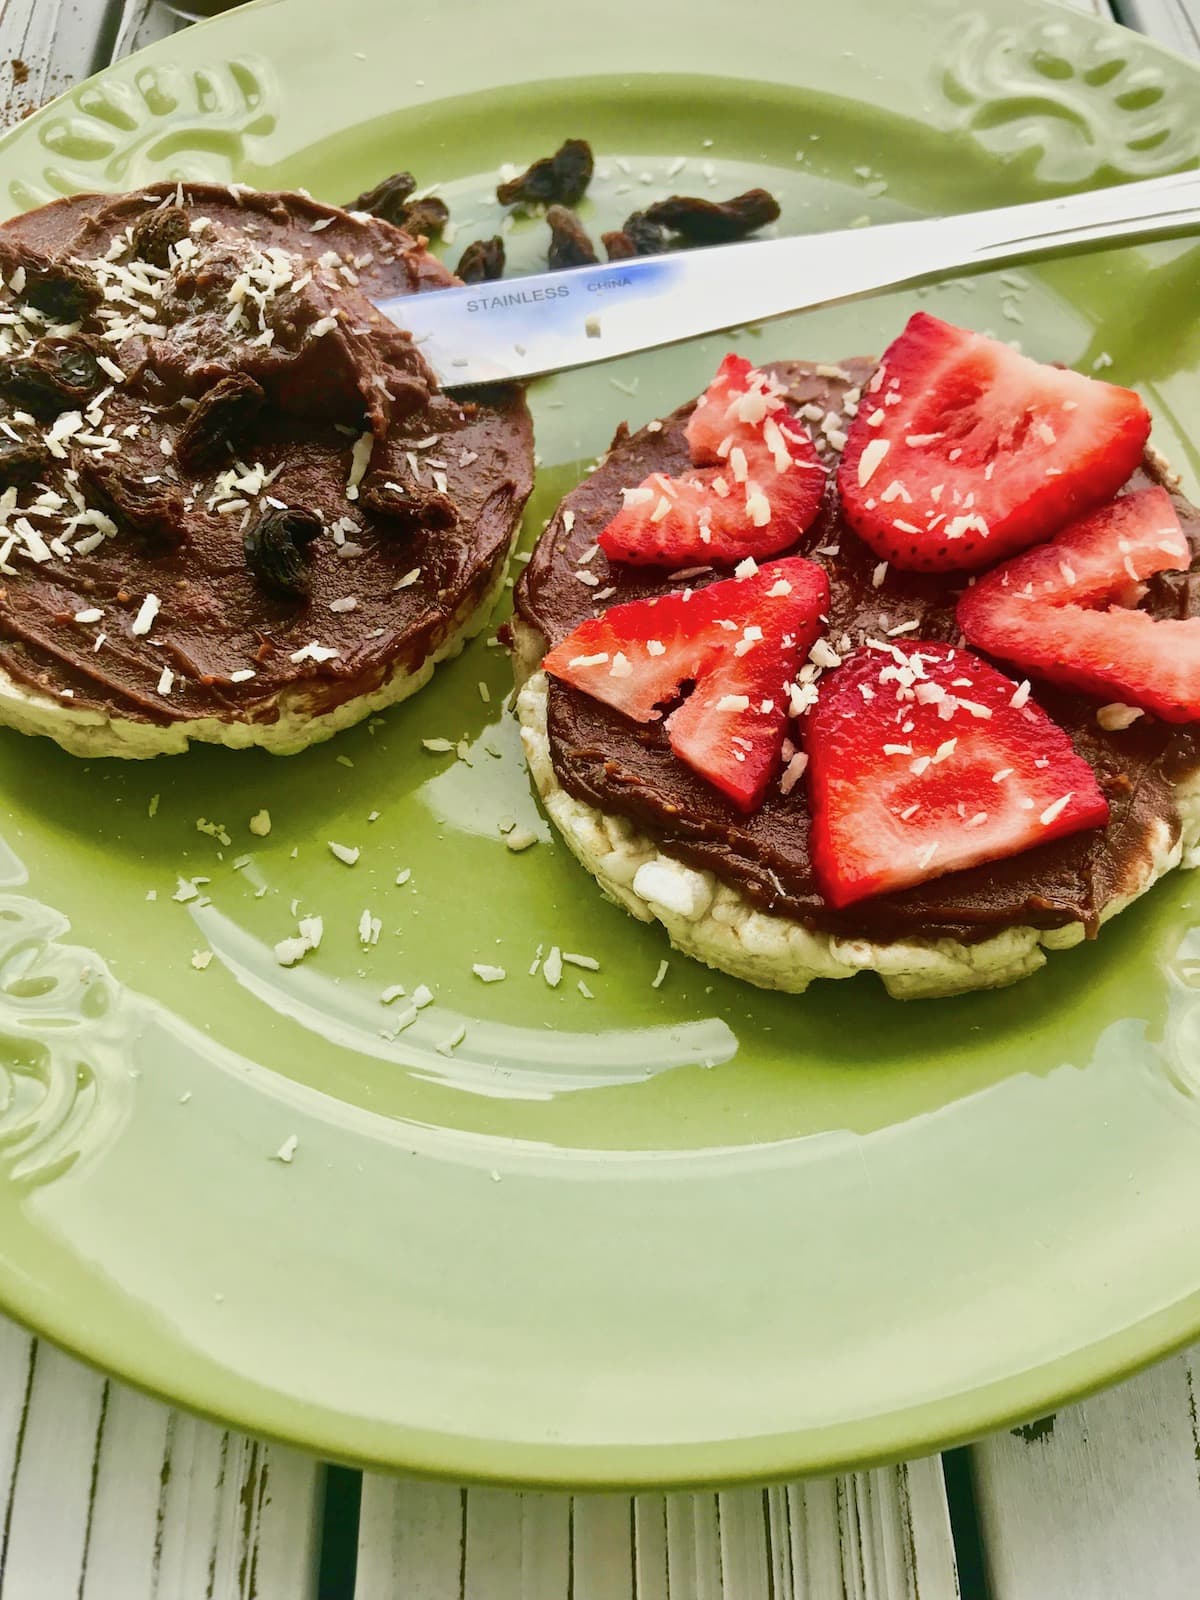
522 327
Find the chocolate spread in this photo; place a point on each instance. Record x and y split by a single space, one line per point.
620 766
416 494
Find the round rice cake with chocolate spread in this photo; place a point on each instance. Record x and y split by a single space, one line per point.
234 506
737 889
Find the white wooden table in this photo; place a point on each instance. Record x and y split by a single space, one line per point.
106 1495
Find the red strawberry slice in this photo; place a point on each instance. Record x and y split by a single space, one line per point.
739 640
927 760
759 485
964 451
1043 609
736 404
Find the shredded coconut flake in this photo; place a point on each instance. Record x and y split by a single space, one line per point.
793 772
1117 716
873 454
147 612
314 652
360 455
1055 810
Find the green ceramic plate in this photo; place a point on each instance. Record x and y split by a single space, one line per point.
652 1234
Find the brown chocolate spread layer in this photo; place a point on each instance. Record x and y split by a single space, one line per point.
415 494
622 767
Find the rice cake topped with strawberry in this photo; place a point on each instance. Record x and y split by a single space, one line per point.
798 706
234 506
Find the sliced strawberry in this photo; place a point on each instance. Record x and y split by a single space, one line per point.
759 487
964 451
928 760
740 641
1042 610
735 404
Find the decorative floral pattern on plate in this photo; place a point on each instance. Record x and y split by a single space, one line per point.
165 122
1071 103
64 1082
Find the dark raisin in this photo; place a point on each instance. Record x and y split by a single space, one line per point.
151 511
155 233
21 461
387 199
558 179
569 243
217 419
638 236
649 238
58 375
619 245
275 546
392 200
428 216
410 506
715 222
482 261
64 293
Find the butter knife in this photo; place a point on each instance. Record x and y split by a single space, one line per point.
550 321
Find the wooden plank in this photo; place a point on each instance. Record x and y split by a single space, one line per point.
1102 1499
51 1494
17 1363
58 42
882 1535
143 22
108 1495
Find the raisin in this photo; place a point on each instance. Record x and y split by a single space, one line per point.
387 199
428 216
482 261
560 179
151 511
59 375
649 238
411 506
392 200
59 290
275 546
712 222
21 462
638 236
218 418
619 245
64 294
155 233
569 243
